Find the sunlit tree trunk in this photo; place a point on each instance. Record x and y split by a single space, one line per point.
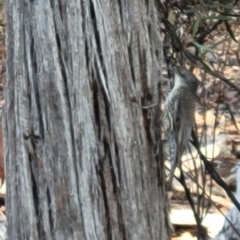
83 158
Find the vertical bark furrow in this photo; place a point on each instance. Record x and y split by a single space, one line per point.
103 183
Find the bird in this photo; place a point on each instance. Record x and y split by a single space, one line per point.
178 116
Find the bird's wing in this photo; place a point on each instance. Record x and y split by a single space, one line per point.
171 113
187 119
182 122
173 125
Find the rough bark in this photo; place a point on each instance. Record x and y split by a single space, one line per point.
82 157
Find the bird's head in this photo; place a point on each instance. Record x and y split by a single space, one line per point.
183 77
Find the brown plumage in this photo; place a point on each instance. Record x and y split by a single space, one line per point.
178 115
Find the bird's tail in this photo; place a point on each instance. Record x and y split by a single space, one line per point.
173 155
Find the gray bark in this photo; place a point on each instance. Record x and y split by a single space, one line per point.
82 157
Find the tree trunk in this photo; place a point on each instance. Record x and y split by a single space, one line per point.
83 158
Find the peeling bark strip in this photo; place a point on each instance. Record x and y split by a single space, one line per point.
80 152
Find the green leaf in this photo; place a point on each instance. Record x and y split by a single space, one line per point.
190 10
219 17
226 6
196 26
228 14
203 47
230 30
